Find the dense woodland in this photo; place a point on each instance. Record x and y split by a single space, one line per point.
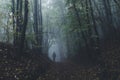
59 40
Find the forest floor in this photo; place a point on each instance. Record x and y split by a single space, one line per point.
35 67
109 70
28 68
70 71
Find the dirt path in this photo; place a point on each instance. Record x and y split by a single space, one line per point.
69 71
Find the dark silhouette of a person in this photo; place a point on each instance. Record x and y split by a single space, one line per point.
54 56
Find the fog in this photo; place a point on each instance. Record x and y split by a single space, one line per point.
53 21
54 48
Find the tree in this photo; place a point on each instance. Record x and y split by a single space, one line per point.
21 24
38 24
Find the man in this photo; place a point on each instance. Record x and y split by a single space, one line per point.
54 56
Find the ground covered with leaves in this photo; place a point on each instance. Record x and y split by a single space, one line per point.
30 67
36 67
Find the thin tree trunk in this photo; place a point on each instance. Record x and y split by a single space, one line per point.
38 24
13 16
117 2
96 43
24 26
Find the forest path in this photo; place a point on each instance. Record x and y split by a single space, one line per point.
69 71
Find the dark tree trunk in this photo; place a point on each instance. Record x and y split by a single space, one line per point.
38 24
24 26
109 19
21 24
96 39
13 16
